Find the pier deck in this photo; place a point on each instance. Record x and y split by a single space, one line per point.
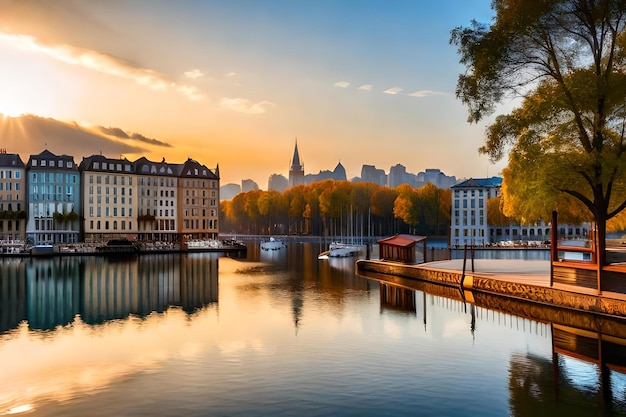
527 280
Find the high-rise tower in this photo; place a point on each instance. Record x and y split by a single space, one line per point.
296 172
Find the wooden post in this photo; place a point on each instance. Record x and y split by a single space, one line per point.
554 253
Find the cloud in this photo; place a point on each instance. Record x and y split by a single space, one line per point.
342 84
426 93
191 92
194 73
100 62
231 74
393 90
120 133
366 87
243 105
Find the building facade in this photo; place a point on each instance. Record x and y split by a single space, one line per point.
468 220
198 201
54 199
13 213
109 190
470 225
157 193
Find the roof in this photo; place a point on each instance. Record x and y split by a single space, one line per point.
480 183
11 160
402 240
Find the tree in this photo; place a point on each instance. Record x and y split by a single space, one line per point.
566 60
382 207
406 206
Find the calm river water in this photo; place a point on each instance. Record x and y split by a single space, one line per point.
281 333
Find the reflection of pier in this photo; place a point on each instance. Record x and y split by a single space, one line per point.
48 292
397 297
585 372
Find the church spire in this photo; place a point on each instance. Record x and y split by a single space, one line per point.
296 172
295 161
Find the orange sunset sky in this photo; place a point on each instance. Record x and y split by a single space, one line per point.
235 83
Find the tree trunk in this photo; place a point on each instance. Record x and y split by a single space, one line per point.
600 237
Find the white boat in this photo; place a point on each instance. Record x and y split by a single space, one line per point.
340 250
273 244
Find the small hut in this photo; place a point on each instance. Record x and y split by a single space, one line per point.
401 248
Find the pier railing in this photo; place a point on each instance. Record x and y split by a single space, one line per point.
579 266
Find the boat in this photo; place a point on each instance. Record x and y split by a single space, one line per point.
340 250
273 244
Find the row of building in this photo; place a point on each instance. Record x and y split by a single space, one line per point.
53 200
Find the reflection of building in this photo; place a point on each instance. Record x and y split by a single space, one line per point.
51 292
12 197
54 199
12 293
53 295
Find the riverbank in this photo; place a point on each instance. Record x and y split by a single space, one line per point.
138 248
527 280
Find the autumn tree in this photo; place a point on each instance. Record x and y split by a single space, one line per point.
362 193
434 209
566 62
406 206
382 201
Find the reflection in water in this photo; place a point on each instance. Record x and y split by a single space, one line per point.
586 372
293 335
50 292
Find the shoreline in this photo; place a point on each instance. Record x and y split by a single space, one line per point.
518 280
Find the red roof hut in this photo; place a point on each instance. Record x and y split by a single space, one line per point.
401 248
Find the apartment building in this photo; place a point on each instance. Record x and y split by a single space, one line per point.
469 224
110 202
54 199
157 191
12 197
468 220
198 201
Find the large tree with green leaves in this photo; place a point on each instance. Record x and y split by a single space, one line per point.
566 61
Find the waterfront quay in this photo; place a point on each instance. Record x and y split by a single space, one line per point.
516 280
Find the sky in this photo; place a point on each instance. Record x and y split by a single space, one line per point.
236 83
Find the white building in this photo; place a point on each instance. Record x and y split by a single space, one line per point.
468 220
469 224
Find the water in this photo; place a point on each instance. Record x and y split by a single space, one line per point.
280 333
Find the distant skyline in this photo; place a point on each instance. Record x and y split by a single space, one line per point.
235 83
